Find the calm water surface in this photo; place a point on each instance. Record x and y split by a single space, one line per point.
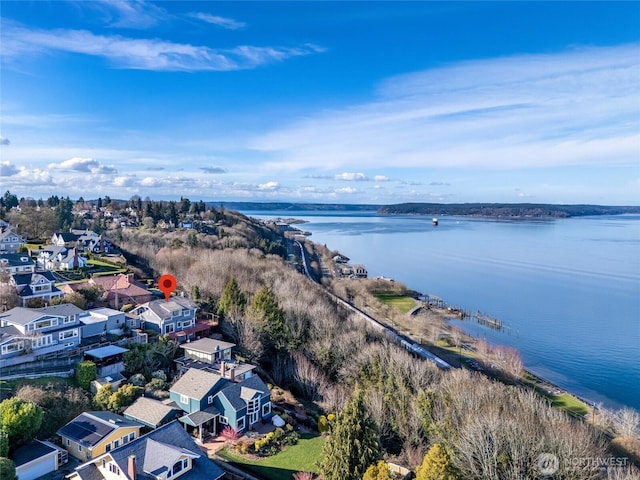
568 290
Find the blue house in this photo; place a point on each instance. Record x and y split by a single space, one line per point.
176 315
26 333
211 402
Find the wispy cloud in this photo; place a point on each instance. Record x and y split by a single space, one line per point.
142 54
4 141
223 22
575 107
128 14
88 165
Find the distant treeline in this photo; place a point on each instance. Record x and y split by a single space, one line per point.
506 210
294 207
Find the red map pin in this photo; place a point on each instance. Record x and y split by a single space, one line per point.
167 284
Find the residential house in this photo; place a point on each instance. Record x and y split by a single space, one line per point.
122 289
10 241
211 402
91 434
54 257
98 322
12 263
35 285
165 453
176 315
214 356
152 413
38 458
38 331
64 239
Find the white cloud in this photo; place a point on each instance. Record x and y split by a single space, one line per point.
128 14
351 177
140 53
269 186
571 108
347 190
223 22
4 141
380 178
79 164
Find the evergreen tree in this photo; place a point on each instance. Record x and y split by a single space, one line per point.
353 444
7 469
232 300
436 465
268 314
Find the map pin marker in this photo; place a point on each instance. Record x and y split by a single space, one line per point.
167 284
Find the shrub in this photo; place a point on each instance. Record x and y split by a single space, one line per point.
86 372
138 380
156 384
160 374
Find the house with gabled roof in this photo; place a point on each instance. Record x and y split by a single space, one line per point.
91 434
12 263
165 453
176 315
26 333
151 412
122 289
211 402
35 285
37 458
10 241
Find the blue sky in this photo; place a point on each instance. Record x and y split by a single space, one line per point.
363 102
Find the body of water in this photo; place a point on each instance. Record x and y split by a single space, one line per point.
568 290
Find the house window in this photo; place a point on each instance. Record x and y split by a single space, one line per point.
107 447
241 423
132 435
113 468
70 319
125 439
79 447
104 463
12 347
185 313
253 409
184 399
266 409
68 442
169 328
45 324
224 421
116 443
68 334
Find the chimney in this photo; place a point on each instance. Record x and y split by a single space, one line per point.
223 366
131 468
232 374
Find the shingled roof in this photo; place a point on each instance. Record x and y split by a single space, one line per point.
197 383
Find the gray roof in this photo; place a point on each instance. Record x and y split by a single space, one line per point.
197 383
26 278
196 419
151 412
156 452
236 392
22 315
207 345
106 351
32 450
90 428
16 259
163 309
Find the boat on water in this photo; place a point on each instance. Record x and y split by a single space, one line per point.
434 222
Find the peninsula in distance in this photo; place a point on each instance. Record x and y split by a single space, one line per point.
490 210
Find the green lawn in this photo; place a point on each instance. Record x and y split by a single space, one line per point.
297 458
400 302
570 403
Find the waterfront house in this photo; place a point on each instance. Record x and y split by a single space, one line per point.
91 434
165 453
